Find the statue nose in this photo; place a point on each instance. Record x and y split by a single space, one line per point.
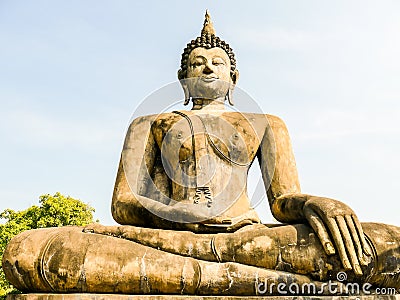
207 69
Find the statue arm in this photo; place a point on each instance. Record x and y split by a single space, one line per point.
135 166
334 222
278 168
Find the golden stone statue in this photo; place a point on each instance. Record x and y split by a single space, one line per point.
187 226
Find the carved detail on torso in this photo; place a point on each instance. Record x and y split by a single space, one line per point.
218 157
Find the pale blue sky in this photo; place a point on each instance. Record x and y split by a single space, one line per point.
73 72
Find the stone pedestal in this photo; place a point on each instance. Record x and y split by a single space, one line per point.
181 297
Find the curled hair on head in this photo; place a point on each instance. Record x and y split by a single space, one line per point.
207 40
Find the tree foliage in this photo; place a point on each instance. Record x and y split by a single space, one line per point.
53 211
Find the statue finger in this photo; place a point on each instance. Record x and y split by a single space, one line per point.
239 225
356 239
337 237
349 245
93 228
319 227
367 250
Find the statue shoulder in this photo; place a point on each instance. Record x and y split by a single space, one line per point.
142 120
147 122
277 130
138 129
276 123
155 122
252 118
260 122
274 119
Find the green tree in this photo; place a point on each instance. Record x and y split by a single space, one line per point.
53 211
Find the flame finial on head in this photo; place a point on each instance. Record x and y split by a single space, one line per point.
208 27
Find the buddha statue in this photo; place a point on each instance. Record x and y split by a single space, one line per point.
186 223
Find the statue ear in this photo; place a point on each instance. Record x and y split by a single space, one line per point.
184 87
186 93
235 77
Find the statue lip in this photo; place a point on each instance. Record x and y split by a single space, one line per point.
209 78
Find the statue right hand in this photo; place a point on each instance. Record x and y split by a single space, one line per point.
332 219
194 213
180 212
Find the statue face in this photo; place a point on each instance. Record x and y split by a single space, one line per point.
212 62
208 73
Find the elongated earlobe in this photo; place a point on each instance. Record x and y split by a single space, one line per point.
229 95
185 92
235 77
185 88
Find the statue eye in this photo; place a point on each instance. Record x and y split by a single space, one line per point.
197 63
218 62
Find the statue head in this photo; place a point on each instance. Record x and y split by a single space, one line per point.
208 66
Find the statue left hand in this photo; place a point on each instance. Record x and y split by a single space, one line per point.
333 219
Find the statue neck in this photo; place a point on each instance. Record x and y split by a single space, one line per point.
209 104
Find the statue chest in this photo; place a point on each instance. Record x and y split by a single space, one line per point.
206 156
200 138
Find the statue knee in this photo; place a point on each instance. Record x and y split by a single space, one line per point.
24 259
